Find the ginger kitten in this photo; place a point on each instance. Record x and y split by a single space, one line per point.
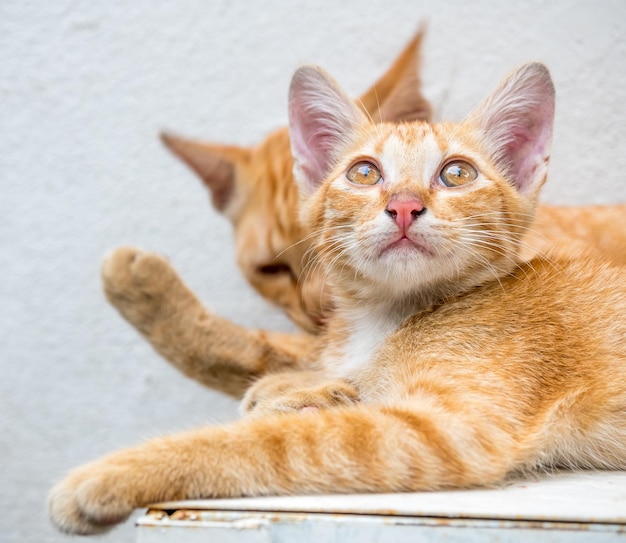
254 189
468 364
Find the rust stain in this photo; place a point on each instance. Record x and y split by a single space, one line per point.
156 514
185 514
162 517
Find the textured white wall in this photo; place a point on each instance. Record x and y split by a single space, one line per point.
84 89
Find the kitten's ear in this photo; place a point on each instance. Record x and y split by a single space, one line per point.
397 95
516 122
323 121
215 165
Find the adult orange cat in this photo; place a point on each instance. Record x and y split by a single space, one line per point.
469 365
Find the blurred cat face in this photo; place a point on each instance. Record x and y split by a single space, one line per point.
273 249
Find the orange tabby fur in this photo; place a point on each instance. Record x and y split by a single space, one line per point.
255 189
597 230
272 244
479 366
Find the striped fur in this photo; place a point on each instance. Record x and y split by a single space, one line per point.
480 366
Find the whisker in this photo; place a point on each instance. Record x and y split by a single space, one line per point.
501 237
313 234
374 123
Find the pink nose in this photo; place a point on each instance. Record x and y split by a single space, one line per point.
404 212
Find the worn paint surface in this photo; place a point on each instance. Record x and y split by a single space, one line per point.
574 497
582 507
187 526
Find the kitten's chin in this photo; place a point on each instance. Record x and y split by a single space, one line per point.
407 248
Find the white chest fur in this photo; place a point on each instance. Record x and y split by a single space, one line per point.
367 331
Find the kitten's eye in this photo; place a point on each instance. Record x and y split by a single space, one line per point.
458 173
274 269
364 173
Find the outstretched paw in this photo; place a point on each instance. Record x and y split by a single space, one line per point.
140 285
279 394
91 500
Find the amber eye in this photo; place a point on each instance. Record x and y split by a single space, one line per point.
457 173
364 173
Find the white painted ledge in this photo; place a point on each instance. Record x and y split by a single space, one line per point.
576 507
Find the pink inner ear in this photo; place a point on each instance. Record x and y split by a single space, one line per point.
517 120
317 135
303 150
322 122
522 153
529 146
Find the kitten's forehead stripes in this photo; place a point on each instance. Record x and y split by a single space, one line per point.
409 155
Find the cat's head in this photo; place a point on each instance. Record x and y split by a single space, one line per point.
254 188
419 209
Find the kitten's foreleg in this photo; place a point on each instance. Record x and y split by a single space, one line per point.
353 449
150 295
294 391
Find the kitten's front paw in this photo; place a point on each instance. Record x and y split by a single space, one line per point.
91 500
274 394
139 284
